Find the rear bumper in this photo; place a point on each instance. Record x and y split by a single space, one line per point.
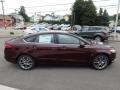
10 59
106 37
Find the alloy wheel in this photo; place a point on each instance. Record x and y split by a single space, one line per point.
26 62
100 62
98 38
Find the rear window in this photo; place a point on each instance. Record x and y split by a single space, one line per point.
43 38
96 28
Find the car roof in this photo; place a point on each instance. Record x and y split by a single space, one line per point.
52 31
47 32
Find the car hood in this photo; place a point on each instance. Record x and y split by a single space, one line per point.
99 45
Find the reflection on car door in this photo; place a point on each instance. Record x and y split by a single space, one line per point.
69 49
72 53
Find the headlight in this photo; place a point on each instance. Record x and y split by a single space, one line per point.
113 51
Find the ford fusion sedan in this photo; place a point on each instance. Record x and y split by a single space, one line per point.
57 47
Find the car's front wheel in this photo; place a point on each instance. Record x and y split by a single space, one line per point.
98 38
25 62
100 62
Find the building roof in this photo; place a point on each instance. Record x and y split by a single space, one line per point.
7 17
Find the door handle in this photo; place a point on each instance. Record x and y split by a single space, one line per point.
62 48
34 47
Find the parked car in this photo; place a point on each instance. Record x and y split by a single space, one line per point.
97 33
65 27
31 30
117 29
20 27
57 47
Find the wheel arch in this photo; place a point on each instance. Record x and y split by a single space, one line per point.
97 35
24 54
102 53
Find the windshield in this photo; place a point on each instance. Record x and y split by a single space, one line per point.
87 41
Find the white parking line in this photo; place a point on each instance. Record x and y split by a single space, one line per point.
2 87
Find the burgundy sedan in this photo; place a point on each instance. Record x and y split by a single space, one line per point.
57 47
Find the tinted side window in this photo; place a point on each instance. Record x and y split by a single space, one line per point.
95 28
30 39
85 29
33 29
40 29
66 39
92 28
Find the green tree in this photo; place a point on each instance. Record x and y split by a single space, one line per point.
99 19
100 12
102 18
22 12
105 18
84 13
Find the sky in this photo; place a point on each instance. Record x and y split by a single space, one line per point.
11 5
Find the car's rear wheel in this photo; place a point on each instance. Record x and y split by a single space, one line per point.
26 62
98 38
100 62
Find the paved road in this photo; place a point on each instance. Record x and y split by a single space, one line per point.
59 77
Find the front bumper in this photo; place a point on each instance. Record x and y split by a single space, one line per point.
112 57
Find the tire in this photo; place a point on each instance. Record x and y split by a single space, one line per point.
25 62
98 38
100 62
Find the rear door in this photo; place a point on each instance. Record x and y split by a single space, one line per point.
42 47
84 32
45 48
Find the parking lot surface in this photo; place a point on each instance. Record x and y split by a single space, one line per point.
60 77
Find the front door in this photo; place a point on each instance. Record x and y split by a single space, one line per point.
69 49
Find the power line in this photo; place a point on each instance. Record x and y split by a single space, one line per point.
101 0
108 6
61 4
57 4
112 6
49 5
51 11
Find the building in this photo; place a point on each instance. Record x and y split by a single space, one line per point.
17 19
36 18
51 17
7 23
48 17
66 17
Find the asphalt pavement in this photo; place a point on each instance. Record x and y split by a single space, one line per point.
60 77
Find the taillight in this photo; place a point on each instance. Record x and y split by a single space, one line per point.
7 45
105 33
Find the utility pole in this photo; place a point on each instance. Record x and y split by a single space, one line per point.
117 15
73 18
16 11
3 14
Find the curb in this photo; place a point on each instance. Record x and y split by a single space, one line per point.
2 87
9 36
114 40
